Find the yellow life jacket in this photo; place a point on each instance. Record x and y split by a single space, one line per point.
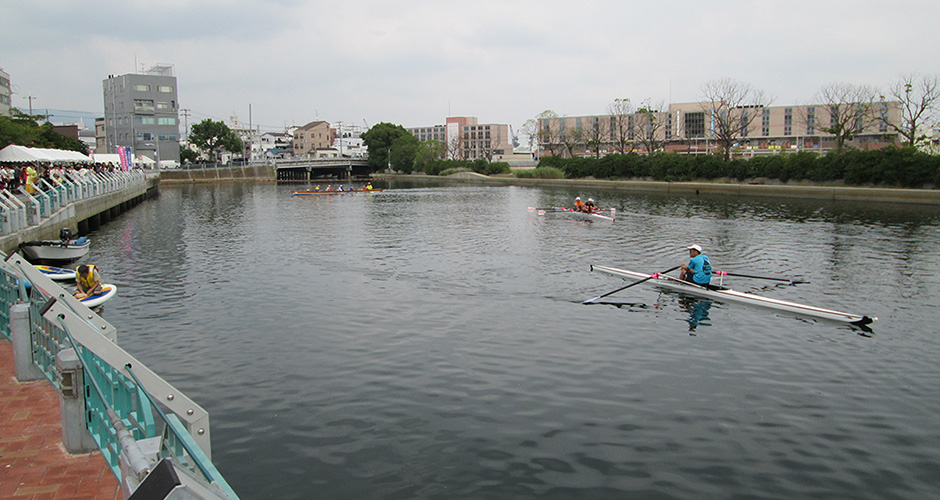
87 280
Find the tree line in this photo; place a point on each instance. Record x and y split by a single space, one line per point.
34 131
905 167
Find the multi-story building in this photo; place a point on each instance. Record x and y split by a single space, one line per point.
347 140
101 144
141 111
466 139
277 144
311 137
431 133
5 93
692 128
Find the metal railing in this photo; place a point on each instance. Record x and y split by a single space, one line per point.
18 211
116 385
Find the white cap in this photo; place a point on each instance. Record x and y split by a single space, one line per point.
590 199
694 247
578 198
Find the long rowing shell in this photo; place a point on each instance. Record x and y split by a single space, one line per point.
727 294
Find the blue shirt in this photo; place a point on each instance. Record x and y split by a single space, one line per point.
701 269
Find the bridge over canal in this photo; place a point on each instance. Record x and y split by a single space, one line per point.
322 168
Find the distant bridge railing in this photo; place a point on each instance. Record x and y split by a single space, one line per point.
116 394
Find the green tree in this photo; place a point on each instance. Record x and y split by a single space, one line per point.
212 137
187 154
24 130
379 139
403 153
429 152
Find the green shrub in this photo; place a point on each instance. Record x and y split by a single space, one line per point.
541 173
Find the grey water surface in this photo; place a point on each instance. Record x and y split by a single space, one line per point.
430 341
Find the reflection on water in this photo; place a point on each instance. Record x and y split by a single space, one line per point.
697 310
430 341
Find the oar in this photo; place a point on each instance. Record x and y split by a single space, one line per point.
787 280
655 275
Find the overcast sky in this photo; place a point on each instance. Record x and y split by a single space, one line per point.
416 62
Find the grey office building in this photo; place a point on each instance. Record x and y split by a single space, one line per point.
142 111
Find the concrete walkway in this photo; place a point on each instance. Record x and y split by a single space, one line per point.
33 463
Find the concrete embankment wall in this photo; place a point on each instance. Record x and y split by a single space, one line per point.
842 193
248 173
82 216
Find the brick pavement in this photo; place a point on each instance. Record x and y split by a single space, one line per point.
33 463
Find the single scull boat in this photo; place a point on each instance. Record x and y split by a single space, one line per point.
727 294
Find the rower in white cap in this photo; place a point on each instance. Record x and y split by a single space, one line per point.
699 268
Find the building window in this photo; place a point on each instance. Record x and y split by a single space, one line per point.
163 106
144 120
166 121
166 89
695 124
143 104
811 120
142 87
787 121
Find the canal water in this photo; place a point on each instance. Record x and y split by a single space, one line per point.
430 341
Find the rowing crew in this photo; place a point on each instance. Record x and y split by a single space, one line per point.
589 207
329 188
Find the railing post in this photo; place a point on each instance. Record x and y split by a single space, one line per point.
75 435
23 364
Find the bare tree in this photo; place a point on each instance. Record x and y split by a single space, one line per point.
454 148
650 127
731 106
531 129
849 108
594 137
917 97
549 131
571 139
621 111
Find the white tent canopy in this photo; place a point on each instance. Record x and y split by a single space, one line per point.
15 153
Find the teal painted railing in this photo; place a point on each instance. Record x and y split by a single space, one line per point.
113 379
25 209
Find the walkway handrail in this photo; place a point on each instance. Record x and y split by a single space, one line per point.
59 321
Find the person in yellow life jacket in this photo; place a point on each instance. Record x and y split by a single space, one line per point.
31 177
368 187
590 207
578 204
88 281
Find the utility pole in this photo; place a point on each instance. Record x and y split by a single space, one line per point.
30 99
185 113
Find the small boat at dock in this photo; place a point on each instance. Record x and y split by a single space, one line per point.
63 250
